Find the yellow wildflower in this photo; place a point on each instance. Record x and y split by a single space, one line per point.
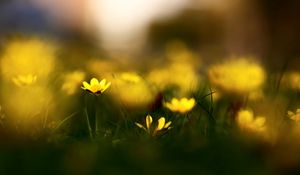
247 122
294 116
24 80
237 76
72 81
95 86
161 125
182 105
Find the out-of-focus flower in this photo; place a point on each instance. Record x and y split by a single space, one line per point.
292 80
237 76
177 51
247 122
181 64
95 86
182 105
102 67
25 60
130 77
256 95
33 57
24 103
24 80
132 90
294 116
162 125
71 81
184 77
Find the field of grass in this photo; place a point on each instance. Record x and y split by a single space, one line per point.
76 110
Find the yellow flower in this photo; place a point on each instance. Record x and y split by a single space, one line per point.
95 86
294 116
237 76
161 125
30 55
182 105
247 122
24 80
71 81
180 61
141 94
130 77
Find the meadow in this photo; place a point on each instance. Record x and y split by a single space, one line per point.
76 110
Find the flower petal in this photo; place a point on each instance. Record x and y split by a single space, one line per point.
94 81
148 121
167 124
102 82
85 85
161 124
140 126
104 87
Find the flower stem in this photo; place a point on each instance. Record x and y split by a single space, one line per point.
88 123
96 117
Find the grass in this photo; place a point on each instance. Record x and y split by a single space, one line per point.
84 133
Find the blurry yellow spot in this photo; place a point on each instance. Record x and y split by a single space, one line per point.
24 80
182 105
292 80
27 102
294 116
178 72
95 86
180 75
247 122
130 77
256 95
102 68
72 81
161 125
177 51
132 90
237 76
33 57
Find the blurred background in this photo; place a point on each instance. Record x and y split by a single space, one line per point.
263 28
